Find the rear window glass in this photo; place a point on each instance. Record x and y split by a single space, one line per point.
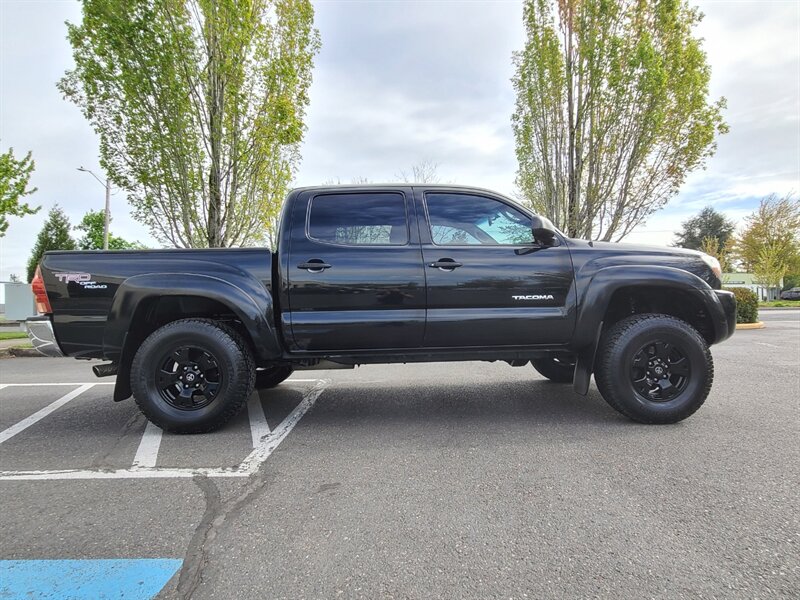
359 219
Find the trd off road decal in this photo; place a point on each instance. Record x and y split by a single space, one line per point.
82 279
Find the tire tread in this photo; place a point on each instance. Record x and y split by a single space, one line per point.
226 335
604 371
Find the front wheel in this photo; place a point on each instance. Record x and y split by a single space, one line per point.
192 376
654 368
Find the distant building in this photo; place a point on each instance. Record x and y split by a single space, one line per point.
747 280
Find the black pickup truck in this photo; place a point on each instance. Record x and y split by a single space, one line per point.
388 274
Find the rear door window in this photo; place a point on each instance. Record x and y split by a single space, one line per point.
363 219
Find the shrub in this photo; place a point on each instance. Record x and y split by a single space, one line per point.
746 305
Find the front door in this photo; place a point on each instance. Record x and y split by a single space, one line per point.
356 280
489 284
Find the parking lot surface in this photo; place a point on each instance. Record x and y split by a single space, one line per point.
458 480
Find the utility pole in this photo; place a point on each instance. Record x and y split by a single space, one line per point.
107 185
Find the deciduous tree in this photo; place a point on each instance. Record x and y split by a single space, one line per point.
425 171
15 175
770 266
92 226
612 110
200 108
775 224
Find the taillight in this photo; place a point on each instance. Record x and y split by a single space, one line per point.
40 294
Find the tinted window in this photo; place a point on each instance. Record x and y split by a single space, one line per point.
359 219
460 219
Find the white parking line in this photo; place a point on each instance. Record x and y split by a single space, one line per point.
268 443
147 453
92 383
41 414
259 428
265 447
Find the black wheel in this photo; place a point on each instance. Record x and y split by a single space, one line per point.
654 368
192 376
559 369
272 376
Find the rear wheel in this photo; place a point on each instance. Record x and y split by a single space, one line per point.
559 369
272 376
654 368
192 376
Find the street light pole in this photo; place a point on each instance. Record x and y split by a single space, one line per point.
107 185
108 214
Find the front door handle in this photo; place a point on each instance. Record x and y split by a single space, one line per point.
314 265
445 264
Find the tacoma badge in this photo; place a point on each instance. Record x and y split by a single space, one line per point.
534 297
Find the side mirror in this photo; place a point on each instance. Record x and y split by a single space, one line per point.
544 232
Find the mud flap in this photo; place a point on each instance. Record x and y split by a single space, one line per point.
584 365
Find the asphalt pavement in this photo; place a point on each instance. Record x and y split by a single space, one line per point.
445 480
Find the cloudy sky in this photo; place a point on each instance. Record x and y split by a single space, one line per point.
398 82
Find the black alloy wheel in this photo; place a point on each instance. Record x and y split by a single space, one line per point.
189 378
660 371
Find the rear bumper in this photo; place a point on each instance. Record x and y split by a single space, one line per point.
42 336
726 321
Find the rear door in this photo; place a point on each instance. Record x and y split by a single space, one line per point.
488 283
355 274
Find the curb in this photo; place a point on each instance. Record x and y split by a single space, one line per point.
758 325
19 352
760 308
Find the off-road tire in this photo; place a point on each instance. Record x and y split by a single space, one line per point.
236 369
555 369
615 375
272 376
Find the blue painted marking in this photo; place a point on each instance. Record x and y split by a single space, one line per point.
131 579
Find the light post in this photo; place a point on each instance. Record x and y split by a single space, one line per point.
107 185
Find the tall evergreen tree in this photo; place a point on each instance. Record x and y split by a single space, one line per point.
708 223
53 236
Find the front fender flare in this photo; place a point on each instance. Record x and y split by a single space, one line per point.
595 296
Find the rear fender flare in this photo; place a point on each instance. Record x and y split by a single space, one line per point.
243 295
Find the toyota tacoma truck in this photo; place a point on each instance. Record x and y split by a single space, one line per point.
388 274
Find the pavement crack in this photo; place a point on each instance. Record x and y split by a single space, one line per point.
216 517
104 458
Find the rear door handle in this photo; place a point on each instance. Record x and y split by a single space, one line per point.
445 264
314 265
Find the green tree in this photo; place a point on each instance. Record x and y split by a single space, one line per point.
53 236
711 246
92 225
775 224
200 108
612 110
14 178
770 266
708 223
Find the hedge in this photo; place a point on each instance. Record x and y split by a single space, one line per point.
746 305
